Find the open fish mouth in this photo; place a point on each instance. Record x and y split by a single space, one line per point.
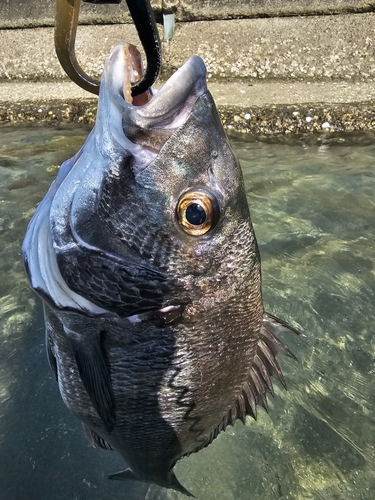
149 119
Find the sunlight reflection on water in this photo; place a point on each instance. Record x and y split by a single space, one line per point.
313 212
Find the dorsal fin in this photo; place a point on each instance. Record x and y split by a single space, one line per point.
259 382
265 364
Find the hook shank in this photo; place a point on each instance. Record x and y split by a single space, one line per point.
66 21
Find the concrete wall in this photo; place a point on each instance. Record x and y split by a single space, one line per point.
275 46
35 13
29 13
304 59
315 48
228 9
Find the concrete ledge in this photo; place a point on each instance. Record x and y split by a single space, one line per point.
196 10
36 13
225 93
306 48
263 108
288 74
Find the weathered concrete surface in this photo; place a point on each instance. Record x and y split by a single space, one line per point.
29 54
262 108
304 48
309 48
28 13
276 74
225 94
195 10
34 13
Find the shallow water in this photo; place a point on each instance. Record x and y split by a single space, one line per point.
313 208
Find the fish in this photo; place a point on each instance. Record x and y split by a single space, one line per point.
145 257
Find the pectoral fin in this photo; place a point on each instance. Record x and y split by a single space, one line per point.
96 440
124 475
88 354
51 358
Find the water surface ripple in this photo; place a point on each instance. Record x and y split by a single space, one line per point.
313 207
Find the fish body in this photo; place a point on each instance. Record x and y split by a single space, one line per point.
145 257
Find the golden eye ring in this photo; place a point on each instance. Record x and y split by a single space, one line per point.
197 212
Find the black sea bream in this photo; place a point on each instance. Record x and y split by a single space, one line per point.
145 257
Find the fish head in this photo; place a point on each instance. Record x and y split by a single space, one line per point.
155 195
176 187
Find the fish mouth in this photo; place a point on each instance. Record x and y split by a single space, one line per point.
149 119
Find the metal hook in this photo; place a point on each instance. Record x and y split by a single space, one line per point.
66 21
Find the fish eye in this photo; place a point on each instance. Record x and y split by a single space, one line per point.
197 212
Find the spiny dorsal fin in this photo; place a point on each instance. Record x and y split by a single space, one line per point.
258 362
276 325
265 362
259 383
267 355
250 400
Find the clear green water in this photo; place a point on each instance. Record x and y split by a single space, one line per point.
313 208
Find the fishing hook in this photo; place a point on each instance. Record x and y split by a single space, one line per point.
66 21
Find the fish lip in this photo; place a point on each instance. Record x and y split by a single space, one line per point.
143 130
177 93
150 126
168 107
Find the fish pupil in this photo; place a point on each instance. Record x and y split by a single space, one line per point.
195 214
